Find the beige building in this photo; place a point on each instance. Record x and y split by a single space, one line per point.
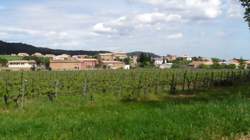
197 64
105 57
37 54
22 65
116 56
114 65
71 65
23 54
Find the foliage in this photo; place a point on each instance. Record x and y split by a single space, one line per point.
145 60
246 5
39 60
3 62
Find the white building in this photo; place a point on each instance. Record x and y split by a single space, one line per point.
158 61
126 67
22 65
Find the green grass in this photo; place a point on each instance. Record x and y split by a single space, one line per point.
213 114
11 58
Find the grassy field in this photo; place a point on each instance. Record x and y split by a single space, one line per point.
11 58
212 114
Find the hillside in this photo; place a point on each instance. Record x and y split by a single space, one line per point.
10 48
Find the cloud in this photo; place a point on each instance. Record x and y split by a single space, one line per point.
203 9
157 17
175 36
234 9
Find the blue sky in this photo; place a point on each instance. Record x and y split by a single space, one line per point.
212 28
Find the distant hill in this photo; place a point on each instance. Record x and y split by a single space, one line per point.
138 53
10 48
14 48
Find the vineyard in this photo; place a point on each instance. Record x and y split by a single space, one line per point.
125 105
125 85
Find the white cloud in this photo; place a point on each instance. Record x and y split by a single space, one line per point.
156 17
175 36
234 9
101 28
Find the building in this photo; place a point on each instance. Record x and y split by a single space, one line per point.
105 57
51 56
79 56
171 58
197 64
113 65
158 61
116 56
22 65
62 57
71 65
187 58
23 54
37 54
119 56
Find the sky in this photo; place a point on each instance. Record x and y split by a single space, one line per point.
210 28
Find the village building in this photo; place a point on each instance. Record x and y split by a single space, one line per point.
171 58
62 57
22 65
37 54
119 55
113 65
71 65
116 56
186 58
105 57
79 56
23 54
51 56
197 64
158 61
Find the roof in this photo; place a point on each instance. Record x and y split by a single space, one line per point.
22 61
112 62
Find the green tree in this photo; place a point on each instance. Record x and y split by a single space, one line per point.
3 62
145 60
246 5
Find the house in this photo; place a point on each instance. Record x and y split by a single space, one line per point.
79 56
134 60
51 56
113 65
197 64
22 65
62 57
126 67
233 62
171 58
37 54
105 57
187 58
116 56
71 65
166 66
158 61
23 54
119 55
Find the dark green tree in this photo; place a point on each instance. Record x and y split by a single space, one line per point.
3 62
246 5
145 60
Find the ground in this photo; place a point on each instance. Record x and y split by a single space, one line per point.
222 113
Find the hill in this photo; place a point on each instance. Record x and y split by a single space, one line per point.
10 48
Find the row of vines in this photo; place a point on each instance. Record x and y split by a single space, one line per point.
15 86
